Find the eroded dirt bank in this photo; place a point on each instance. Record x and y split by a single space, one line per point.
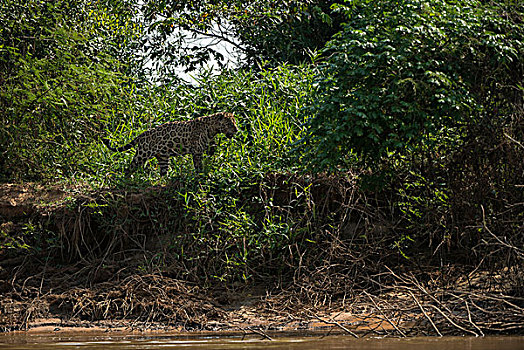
119 259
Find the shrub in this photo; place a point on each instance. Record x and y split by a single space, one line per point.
413 76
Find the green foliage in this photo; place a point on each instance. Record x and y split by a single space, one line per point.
285 31
217 228
230 232
413 75
267 108
63 68
399 88
10 241
262 31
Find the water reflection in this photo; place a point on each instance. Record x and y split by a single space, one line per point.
132 341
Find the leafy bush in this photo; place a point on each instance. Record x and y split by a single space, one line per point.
273 32
63 67
412 76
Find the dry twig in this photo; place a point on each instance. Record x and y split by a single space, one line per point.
333 322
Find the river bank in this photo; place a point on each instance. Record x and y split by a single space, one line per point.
62 269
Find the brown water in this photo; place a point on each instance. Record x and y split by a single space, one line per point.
124 342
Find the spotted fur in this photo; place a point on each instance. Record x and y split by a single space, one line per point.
178 138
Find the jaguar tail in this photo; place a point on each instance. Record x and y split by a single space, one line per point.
119 149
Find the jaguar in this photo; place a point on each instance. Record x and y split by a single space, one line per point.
194 137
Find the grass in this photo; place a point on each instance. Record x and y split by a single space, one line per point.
267 107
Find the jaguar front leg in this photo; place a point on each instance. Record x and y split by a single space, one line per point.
138 160
197 162
163 164
212 148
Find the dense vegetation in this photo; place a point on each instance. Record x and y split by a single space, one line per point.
407 116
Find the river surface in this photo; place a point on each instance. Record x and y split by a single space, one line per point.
131 341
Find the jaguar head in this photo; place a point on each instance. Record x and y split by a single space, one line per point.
229 125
